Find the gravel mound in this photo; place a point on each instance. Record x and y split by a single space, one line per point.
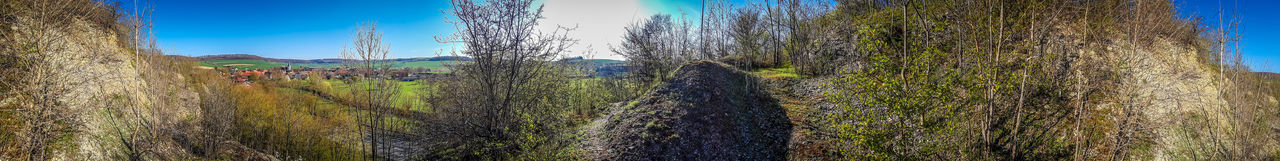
707 111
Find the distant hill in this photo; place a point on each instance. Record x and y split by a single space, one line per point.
1269 75
602 67
248 57
241 64
438 58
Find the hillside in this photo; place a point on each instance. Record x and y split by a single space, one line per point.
935 80
599 67
1269 75
77 85
708 108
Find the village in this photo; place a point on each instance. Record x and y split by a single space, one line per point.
288 72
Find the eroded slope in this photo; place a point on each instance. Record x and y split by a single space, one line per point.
707 111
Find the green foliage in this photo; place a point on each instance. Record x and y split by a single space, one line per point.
785 71
293 124
587 97
906 99
654 48
951 90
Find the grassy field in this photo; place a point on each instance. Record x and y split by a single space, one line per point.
778 72
408 92
295 123
328 105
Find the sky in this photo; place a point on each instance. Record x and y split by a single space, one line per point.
319 29
316 29
1259 18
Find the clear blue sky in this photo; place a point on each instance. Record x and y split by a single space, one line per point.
1259 38
294 28
319 29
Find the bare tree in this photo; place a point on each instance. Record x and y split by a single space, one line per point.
714 31
650 48
219 114
809 51
748 34
373 89
42 67
497 105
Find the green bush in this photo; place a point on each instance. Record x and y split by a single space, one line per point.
900 105
293 125
965 85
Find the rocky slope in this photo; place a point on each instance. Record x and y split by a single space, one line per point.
122 103
1182 98
707 111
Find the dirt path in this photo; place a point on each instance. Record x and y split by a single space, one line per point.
395 145
806 106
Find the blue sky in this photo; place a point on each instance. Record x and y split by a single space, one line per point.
1259 18
319 29
293 29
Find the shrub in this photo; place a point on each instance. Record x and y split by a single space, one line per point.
503 104
654 48
982 81
281 122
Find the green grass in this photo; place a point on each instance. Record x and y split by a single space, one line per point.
298 124
778 72
408 92
428 64
206 64
340 89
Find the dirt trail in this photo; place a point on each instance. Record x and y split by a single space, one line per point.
807 106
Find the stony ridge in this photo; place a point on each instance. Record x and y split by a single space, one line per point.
706 111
